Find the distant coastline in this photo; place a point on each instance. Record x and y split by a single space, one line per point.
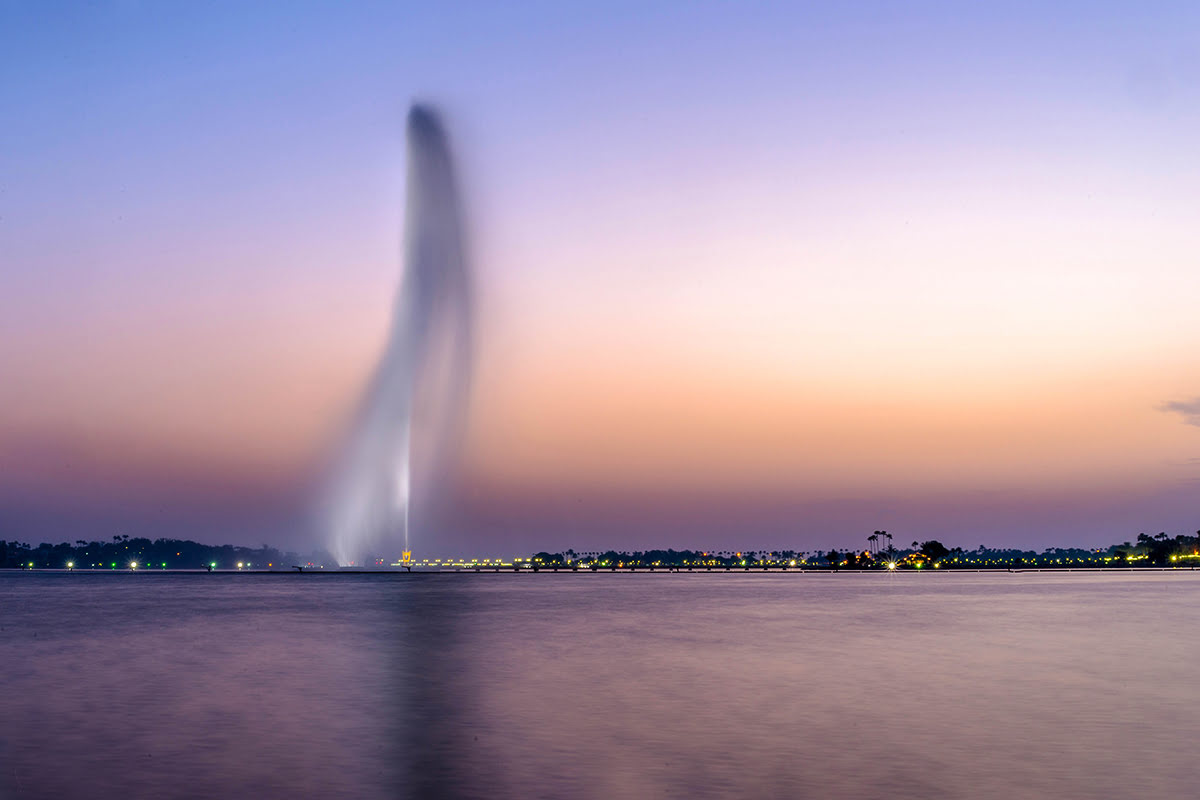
124 553
880 553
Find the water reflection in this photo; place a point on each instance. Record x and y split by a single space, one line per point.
676 685
432 686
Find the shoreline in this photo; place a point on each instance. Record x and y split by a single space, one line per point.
599 570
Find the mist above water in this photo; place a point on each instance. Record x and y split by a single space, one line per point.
406 430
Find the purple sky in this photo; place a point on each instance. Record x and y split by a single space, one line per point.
749 275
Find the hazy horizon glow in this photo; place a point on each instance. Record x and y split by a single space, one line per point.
749 275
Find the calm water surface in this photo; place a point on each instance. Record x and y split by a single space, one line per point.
592 685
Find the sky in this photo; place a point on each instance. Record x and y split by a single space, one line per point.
748 275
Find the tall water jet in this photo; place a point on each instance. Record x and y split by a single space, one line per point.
408 422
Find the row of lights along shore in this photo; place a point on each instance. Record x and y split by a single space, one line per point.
134 565
532 563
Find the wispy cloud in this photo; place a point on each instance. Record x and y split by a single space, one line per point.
1188 409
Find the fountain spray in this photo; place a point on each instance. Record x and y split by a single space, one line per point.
419 390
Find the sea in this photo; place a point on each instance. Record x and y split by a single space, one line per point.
598 685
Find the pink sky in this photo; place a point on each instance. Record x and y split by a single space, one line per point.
726 286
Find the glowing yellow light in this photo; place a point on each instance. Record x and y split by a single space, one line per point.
70 565
891 565
133 565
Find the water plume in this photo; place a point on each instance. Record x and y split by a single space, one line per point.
404 435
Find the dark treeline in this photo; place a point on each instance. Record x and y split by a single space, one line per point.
122 552
880 552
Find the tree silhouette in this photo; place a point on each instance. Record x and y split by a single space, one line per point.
934 550
891 549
